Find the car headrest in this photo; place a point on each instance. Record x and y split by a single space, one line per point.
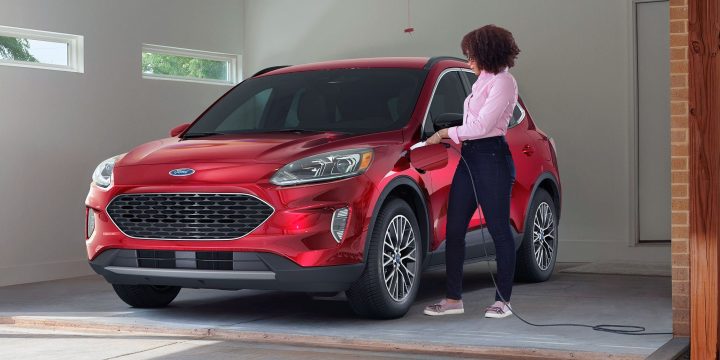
406 100
312 110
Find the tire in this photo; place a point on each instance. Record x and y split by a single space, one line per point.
541 215
146 296
369 296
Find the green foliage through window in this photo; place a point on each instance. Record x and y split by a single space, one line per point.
183 66
15 49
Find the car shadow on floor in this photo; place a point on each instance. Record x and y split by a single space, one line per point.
251 305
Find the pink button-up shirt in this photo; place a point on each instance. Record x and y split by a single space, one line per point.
488 108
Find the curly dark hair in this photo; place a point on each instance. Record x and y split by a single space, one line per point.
492 47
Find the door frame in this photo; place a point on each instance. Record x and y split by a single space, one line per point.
634 136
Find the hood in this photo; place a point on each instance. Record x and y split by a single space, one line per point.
260 148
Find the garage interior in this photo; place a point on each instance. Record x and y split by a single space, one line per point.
608 80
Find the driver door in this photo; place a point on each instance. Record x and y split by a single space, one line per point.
448 97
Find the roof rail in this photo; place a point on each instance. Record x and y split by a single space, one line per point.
435 59
269 69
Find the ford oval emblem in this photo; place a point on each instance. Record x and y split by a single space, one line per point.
182 172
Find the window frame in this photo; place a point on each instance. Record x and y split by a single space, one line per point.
432 95
234 64
75 48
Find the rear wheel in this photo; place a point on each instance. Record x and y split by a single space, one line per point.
146 296
391 278
538 251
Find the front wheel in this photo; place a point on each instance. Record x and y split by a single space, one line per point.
391 278
146 296
538 251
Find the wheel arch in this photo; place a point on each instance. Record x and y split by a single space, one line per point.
405 188
548 182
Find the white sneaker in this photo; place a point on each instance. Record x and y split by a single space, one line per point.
498 312
444 308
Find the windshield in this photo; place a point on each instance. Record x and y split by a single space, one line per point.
353 101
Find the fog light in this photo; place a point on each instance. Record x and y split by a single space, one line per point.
90 223
339 222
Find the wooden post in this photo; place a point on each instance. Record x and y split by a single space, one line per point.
704 154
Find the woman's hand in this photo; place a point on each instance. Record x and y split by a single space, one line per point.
437 137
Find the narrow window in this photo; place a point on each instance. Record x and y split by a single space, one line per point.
41 49
169 63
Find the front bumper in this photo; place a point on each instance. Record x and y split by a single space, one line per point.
246 270
299 230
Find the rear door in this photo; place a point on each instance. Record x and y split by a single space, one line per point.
530 155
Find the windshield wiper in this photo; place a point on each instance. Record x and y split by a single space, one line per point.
201 134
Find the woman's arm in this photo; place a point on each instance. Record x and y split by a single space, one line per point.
503 93
436 137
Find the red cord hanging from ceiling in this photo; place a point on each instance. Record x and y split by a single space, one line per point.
409 29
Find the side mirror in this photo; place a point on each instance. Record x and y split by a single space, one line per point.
447 120
429 157
179 129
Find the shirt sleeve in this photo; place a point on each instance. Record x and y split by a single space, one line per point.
500 96
452 133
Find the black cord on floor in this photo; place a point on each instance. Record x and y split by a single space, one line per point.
610 328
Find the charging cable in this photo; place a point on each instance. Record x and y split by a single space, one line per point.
614 329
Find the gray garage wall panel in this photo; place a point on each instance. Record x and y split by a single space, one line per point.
57 126
653 94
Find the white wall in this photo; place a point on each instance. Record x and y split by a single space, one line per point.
574 73
55 127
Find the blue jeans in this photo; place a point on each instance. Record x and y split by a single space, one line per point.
493 173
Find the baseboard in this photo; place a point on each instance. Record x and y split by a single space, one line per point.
29 273
611 250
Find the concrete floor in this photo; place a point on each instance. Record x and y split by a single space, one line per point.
291 319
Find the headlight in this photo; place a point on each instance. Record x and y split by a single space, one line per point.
322 167
102 176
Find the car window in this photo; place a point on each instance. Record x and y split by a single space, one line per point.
471 77
448 98
355 101
292 118
517 116
248 114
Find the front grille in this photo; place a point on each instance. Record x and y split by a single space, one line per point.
188 216
202 260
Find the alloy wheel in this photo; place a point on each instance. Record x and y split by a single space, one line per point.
543 236
398 259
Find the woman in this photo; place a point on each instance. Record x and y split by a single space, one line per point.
490 51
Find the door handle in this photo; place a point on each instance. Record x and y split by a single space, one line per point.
528 150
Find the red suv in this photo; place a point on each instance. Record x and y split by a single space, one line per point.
300 179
